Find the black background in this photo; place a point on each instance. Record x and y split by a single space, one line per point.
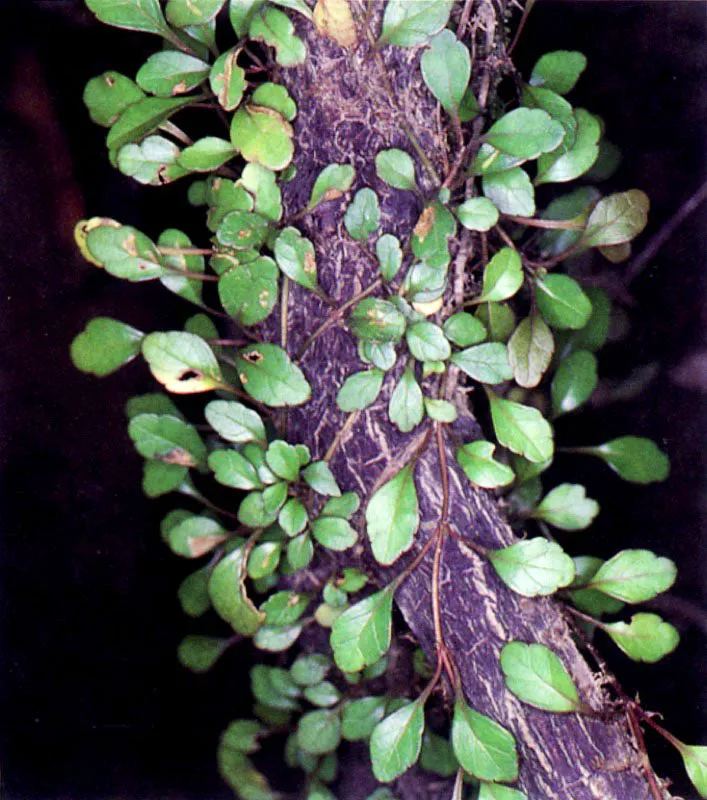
95 705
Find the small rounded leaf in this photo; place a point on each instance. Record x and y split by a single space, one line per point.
104 346
536 676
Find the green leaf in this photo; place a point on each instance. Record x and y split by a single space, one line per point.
536 676
562 302
274 28
363 215
397 169
393 516
561 167
182 362
135 15
334 533
483 748
200 653
153 162
406 407
522 429
427 342
248 292
238 772
241 12
495 791
503 276
107 95
567 507
276 639
633 458
194 536
151 403
263 136
574 382
486 363
345 506
446 69
382 355
159 478
440 410
206 154
295 257
646 638
284 608
480 467
390 255
262 184
331 183
376 320
695 759
431 234
511 191
228 595
243 230
242 735
396 741
437 755
634 576
498 319
408 24
300 552
227 80
361 635
530 351
183 13
558 70
264 558
360 390
283 460
123 251
318 476
274 687
323 694
269 376
170 73
193 593
310 670
590 600
168 439
525 133
260 509
104 346
234 422
477 214
557 107
533 567
617 218
319 732
143 118
361 716
464 329
293 517
181 285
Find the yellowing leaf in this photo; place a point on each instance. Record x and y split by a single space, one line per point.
333 18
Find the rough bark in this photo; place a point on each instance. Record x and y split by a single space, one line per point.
346 116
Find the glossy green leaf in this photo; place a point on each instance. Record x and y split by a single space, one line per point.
318 476
574 381
480 467
511 191
123 251
695 760
194 536
561 167
634 576
486 363
206 154
396 168
143 118
200 653
440 410
530 351
170 73
319 732
107 95
361 716
406 408
495 791
269 376
446 69
431 234
310 670
276 638
168 439
300 551
567 507
617 218
393 516
484 748
248 292
183 13
408 24
153 162
361 635
533 567
396 741
175 263
633 458
376 320
503 276
331 183
536 676
562 302
477 214
228 595
646 638
262 184
525 133
275 28
557 107
263 136
283 460
323 694
234 422
522 429
363 215
591 601
182 362
293 517
427 342
104 346
464 330
491 161
390 255
334 533
558 70
360 390
295 257
498 319
136 15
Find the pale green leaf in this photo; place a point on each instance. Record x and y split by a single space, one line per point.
275 28
634 576
275 96
480 467
486 363
234 422
295 257
136 15
567 507
363 215
361 716
558 70
477 214
171 73
318 476
408 24
269 376
361 635
183 13
319 732
376 320
182 362
695 760
229 597
495 791
106 96
522 429
206 154
153 162
525 133
406 407
390 255
536 676
393 516
331 183
396 741
561 167
446 69
167 439
484 748
511 191
396 168
617 218
464 329
646 638
503 276
334 533
360 390
104 346
533 567
263 136
530 351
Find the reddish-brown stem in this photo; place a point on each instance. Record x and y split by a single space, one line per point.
551 224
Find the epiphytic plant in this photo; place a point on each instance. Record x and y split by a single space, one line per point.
374 239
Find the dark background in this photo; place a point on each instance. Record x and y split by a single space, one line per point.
94 704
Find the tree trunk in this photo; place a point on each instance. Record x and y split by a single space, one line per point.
346 115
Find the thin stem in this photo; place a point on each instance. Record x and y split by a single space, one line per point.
284 307
551 262
506 238
552 224
339 438
194 276
648 770
185 251
178 133
526 12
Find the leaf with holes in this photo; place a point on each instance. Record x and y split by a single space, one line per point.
269 376
182 362
536 676
533 567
